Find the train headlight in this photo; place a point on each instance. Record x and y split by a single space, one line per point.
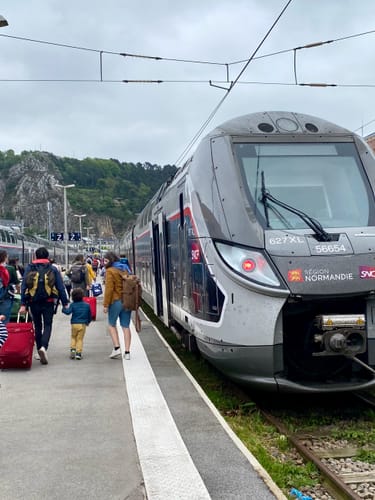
249 263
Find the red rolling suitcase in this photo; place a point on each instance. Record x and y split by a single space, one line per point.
92 303
17 351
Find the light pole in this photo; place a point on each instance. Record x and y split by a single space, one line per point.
88 237
49 228
88 231
66 236
80 223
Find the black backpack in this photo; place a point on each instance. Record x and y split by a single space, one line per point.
40 283
77 273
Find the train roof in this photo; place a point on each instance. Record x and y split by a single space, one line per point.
276 123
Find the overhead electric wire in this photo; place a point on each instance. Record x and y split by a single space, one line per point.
210 82
101 51
309 46
194 61
190 61
364 125
204 125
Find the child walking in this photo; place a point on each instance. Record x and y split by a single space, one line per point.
81 317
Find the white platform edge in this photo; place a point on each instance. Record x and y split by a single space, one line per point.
253 461
167 467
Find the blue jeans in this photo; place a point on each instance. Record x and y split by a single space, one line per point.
6 308
115 311
42 314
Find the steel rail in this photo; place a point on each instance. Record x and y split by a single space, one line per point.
337 487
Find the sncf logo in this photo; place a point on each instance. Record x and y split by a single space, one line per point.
195 252
367 272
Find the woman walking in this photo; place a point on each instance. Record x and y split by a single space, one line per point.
113 305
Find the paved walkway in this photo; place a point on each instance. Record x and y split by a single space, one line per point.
65 428
114 429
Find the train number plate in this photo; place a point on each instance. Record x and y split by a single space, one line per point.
340 247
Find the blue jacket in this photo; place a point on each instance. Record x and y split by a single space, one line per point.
58 283
80 311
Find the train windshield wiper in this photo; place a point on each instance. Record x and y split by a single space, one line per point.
310 221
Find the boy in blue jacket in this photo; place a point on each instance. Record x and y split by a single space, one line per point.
81 317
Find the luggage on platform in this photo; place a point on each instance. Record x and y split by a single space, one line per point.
96 289
92 303
17 351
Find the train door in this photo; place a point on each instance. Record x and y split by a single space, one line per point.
155 251
163 241
160 259
179 270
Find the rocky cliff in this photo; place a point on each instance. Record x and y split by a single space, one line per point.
29 195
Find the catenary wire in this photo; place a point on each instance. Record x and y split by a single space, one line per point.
191 61
210 82
124 54
213 113
364 125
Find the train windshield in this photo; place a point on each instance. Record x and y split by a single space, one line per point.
324 180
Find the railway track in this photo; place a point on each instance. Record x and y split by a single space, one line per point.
344 475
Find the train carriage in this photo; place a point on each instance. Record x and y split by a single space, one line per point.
23 247
260 251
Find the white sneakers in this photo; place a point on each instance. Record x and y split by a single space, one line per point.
43 355
116 353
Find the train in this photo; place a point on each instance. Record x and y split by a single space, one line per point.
22 247
260 253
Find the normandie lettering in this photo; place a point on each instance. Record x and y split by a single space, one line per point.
329 277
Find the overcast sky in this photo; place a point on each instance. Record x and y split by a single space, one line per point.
144 122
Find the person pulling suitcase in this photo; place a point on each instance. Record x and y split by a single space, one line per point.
41 287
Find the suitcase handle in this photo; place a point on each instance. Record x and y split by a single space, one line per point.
26 315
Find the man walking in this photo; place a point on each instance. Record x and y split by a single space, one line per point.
41 288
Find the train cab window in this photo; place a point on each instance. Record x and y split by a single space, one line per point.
324 180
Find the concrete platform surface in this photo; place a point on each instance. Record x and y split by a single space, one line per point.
113 429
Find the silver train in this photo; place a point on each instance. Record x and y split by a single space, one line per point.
261 253
23 246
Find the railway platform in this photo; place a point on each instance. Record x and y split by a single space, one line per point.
113 429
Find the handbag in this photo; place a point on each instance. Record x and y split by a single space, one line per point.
96 289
